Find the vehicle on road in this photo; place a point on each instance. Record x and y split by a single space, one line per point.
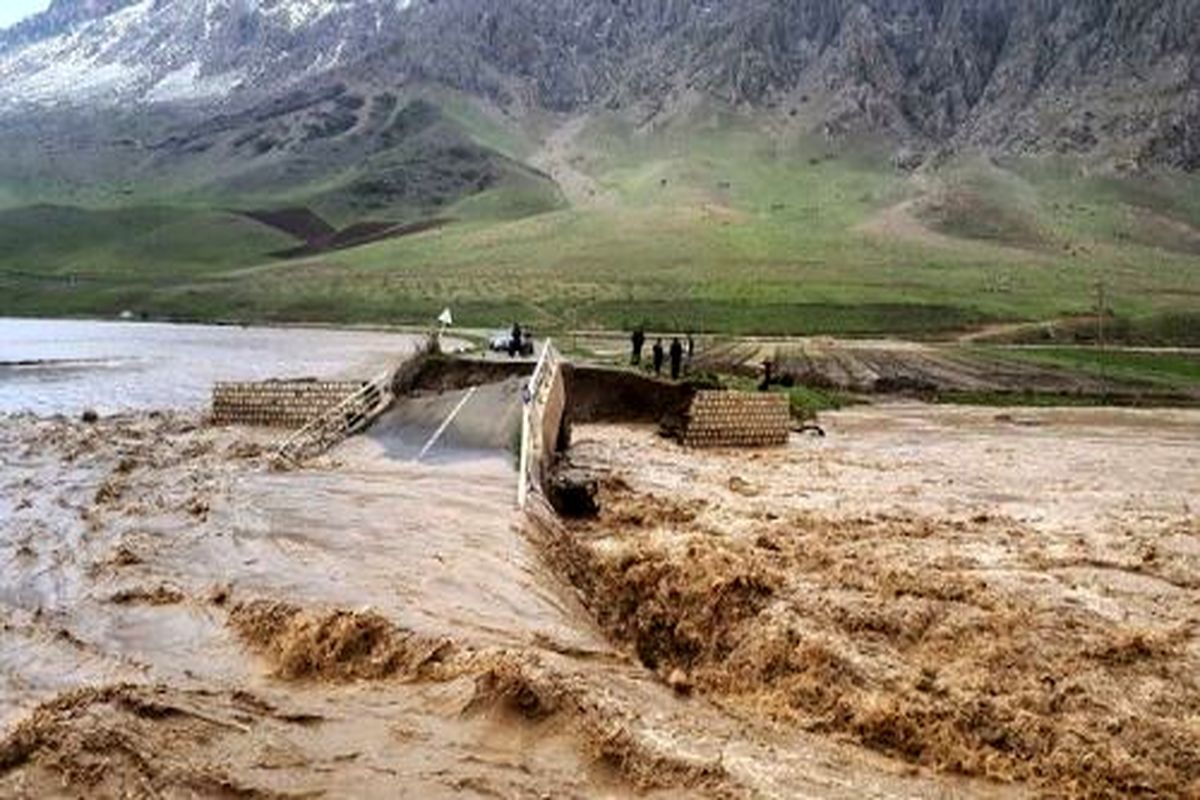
499 342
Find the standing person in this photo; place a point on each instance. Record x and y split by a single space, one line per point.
768 378
514 340
658 357
639 341
676 358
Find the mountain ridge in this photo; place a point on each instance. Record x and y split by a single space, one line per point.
1115 77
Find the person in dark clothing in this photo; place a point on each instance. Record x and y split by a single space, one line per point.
514 340
639 341
691 347
768 367
676 358
658 357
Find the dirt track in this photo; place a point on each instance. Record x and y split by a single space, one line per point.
177 620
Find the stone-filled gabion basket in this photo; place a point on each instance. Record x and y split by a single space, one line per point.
277 404
736 419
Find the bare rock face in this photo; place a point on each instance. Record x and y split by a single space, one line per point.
1118 77
197 52
61 17
1056 76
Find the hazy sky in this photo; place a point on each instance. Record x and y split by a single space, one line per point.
13 11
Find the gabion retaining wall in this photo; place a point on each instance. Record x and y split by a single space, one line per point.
737 419
277 404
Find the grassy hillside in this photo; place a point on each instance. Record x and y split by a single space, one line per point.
715 222
68 260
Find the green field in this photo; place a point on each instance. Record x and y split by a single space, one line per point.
709 224
1154 370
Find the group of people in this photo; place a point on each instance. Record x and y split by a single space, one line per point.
517 338
658 354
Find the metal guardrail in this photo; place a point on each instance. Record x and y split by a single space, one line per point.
533 396
328 428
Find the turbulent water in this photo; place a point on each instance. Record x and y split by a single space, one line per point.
120 542
412 639
128 549
179 619
62 367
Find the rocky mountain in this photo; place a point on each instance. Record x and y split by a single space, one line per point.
1122 76
130 52
1071 75
61 17
1065 75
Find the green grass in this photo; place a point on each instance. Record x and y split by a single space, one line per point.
743 237
150 245
1161 330
807 403
486 127
708 225
1154 370
1034 399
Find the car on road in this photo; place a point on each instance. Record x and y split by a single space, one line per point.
499 341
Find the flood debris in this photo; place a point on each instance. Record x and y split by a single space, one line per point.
161 595
124 556
574 495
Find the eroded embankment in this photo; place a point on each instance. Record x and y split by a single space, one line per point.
956 643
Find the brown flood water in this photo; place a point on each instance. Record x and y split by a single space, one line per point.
197 625
1011 594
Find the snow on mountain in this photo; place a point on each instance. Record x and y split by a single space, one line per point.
79 63
182 50
1052 75
297 13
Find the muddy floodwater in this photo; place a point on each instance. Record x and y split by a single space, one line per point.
178 619
65 366
927 603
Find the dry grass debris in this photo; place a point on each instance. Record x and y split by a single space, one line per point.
161 595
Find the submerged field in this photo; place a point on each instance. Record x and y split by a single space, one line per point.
712 221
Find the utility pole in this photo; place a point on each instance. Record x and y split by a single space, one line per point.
1101 311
